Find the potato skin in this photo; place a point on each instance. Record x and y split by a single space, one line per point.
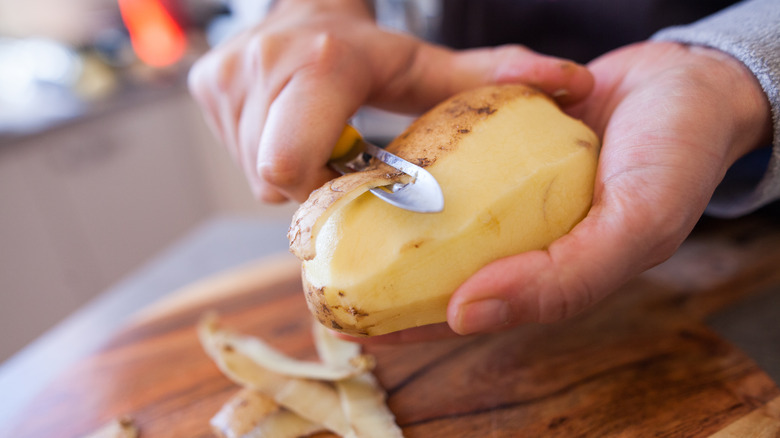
319 307
438 131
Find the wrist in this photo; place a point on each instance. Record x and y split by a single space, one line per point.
744 97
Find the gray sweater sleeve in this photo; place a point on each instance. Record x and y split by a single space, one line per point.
750 32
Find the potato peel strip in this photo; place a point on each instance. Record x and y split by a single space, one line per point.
251 414
118 428
313 400
362 398
314 212
276 404
272 360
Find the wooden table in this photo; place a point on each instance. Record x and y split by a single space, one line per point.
640 363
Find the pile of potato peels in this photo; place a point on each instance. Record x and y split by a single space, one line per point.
283 397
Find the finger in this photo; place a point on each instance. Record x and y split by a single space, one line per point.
580 268
250 128
226 115
438 73
306 119
426 333
210 98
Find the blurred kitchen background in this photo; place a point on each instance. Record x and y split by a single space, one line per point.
105 160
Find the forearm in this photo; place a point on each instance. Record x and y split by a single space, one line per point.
749 32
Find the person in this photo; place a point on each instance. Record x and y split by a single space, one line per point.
675 112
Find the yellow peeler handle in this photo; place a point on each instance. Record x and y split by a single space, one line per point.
349 137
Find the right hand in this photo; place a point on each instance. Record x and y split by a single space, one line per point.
279 94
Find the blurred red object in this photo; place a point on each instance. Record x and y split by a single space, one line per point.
157 38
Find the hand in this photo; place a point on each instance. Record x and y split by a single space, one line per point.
672 119
279 95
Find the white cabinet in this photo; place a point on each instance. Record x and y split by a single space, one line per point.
34 285
84 204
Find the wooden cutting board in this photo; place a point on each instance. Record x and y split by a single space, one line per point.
641 363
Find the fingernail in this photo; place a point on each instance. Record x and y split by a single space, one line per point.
484 315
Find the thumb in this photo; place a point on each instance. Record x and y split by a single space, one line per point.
596 257
437 73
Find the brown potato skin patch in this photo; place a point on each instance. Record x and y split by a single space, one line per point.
315 300
408 246
584 143
439 130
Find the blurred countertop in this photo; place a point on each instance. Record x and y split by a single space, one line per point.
216 245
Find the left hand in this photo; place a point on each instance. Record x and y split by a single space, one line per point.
673 119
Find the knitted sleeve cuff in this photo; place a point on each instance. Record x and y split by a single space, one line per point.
750 32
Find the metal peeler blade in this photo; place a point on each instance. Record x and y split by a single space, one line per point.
422 194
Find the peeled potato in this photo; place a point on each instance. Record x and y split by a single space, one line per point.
516 173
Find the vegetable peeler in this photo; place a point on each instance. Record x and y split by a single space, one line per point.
422 194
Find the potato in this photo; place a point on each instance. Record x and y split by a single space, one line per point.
516 173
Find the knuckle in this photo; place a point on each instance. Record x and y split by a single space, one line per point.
280 173
270 53
264 50
198 79
658 234
268 195
213 73
511 51
552 307
225 70
571 293
263 191
325 45
664 247
326 51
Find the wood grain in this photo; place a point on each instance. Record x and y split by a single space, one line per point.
761 423
640 363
